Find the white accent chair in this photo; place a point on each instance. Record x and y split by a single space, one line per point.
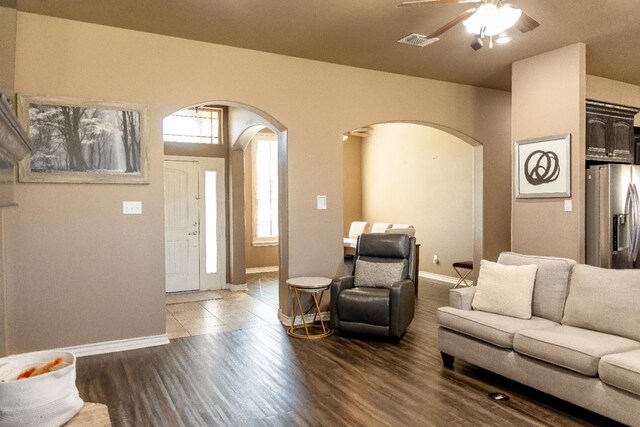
356 229
402 229
380 227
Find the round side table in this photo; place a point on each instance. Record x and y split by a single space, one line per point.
316 287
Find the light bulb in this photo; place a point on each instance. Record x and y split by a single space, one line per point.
480 18
494 19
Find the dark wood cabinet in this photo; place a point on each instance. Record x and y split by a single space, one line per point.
610 132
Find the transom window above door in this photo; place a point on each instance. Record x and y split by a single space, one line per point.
195 125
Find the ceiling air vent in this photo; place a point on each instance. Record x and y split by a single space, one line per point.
417 40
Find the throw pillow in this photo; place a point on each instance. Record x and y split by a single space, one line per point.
505 289
377 274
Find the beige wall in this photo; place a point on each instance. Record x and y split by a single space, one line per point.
352 181
548 98
85 273
255 256
419 175
602 89
7 214
7 46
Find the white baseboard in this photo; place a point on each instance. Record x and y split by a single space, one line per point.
237 288
117 345
286 320
441 278
269 269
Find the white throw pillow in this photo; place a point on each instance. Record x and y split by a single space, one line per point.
505 289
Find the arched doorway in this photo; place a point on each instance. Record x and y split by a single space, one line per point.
240 124
422 174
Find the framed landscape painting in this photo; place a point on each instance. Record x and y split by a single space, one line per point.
84 141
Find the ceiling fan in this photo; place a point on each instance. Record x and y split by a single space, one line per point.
490 18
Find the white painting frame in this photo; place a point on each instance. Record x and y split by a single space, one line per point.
543 167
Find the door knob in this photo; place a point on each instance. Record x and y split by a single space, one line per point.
195 233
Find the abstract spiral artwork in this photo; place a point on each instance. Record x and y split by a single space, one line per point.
543 167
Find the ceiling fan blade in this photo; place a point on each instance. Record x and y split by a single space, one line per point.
416 3
455 21
526 23
423 2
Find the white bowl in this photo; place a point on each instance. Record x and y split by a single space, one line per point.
49 399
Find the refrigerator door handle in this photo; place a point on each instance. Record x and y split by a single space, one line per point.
632 210
634 225
629 213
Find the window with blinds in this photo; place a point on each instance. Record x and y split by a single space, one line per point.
197 125
265 189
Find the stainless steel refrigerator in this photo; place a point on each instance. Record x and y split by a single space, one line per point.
613 216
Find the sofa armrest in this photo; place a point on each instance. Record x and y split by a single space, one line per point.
461 298
338 285
402 300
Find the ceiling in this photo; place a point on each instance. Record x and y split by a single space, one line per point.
363 33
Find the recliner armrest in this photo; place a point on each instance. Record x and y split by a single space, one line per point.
402 286
341 283
338 285
402 301
461 298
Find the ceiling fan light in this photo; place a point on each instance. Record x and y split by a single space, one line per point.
494 19
506 17
480 18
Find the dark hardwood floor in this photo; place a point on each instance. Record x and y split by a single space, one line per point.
262 377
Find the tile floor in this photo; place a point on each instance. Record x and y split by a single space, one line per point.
199 313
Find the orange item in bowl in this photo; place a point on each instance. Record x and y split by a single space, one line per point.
39 370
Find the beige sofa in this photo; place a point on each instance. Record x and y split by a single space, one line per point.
582 343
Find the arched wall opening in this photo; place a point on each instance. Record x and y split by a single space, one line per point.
422 174
242 122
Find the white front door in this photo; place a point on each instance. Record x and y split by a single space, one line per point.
194 204
181 224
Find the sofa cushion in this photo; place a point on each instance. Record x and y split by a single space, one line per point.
604 300
379 274
364 305
573 348
505 289
552 279
621 370
492 328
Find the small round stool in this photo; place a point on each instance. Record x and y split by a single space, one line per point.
316 287
464 265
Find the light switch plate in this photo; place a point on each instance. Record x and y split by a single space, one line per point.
568 205
132 208
321 202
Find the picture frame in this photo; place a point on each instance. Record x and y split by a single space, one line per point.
84 141
543 167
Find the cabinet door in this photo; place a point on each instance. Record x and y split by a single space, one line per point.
621 140
596 136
